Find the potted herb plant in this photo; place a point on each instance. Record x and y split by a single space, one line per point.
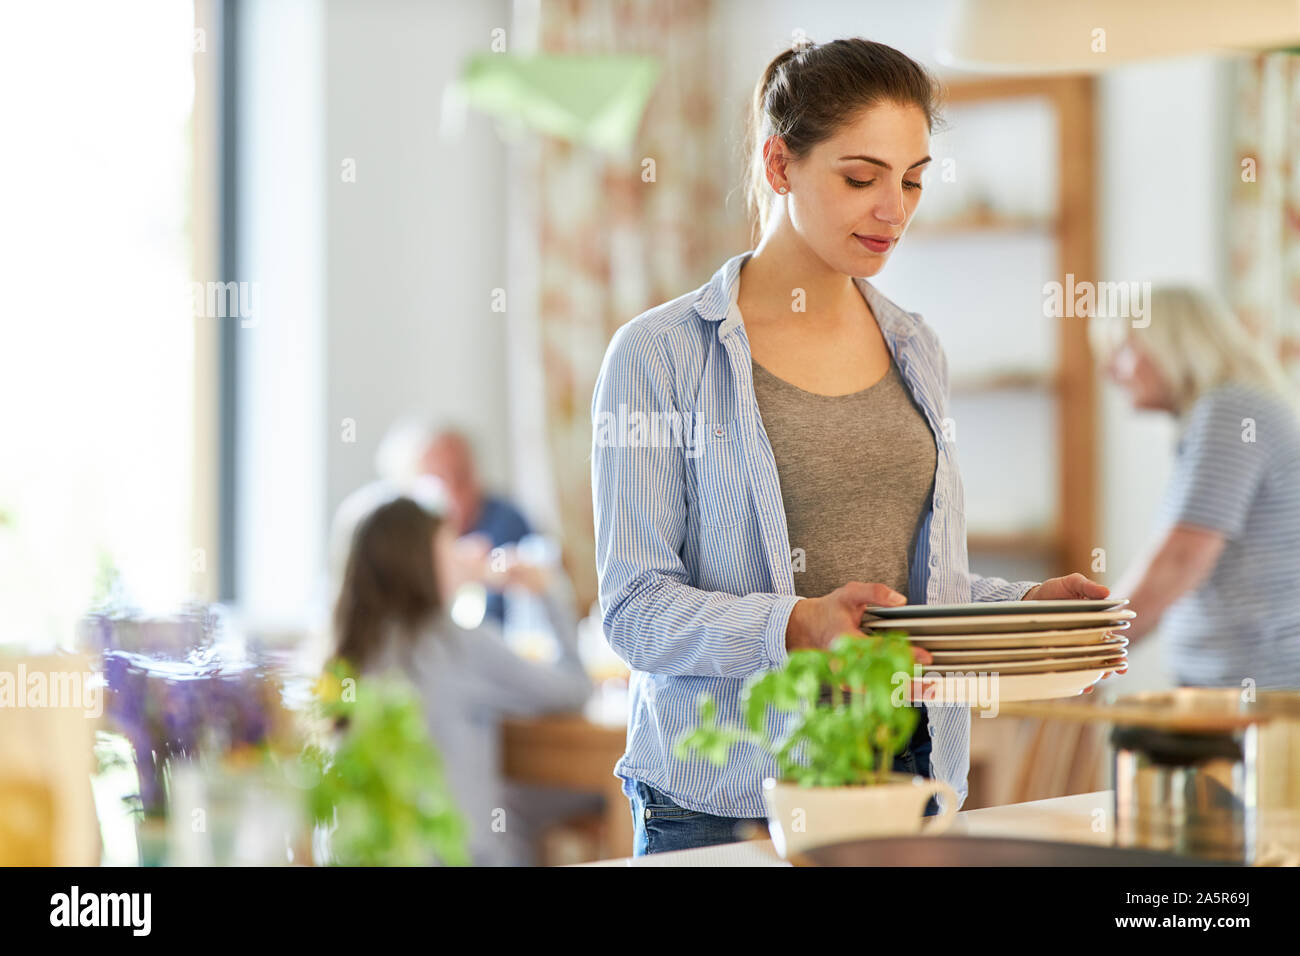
834 758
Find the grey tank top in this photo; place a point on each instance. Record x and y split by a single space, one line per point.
856 474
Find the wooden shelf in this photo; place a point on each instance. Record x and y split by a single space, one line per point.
974 224
1006 380
1071 225
1033 542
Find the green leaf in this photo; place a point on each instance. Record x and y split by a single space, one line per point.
851 740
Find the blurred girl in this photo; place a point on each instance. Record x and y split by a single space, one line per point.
402 571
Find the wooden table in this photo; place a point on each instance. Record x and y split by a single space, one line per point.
1081 818
568 750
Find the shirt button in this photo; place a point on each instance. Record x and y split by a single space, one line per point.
938 500
719 431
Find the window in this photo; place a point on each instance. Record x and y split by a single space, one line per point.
98 364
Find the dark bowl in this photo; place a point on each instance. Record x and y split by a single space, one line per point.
983 851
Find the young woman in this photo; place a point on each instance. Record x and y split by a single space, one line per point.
821 408
1220 579
403 568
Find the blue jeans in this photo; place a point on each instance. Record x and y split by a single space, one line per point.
660 826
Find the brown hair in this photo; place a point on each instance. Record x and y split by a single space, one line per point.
390 579
811 89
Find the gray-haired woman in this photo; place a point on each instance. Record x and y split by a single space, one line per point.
1221 577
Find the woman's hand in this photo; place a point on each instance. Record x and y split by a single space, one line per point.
815 622
1073 586
1121 672
1067 588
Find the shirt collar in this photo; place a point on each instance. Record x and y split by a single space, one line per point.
715 301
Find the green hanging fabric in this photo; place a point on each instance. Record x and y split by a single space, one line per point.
594 100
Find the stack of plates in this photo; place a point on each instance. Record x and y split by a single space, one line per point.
1011 650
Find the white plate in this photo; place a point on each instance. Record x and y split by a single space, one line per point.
1035 639
1042 665
992 690
1002 623
1026 653
996 607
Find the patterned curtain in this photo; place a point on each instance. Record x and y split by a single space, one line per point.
605 238
1264 219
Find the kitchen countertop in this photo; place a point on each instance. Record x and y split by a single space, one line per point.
1081 818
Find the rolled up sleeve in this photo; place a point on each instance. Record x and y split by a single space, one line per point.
998 589
653 618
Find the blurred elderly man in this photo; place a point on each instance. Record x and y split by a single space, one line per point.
410 450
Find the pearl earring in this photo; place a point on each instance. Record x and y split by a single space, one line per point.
782 190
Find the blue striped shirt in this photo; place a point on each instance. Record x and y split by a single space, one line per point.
1236 473
692 549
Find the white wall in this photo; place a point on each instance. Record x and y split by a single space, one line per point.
415 245
375 292
1166 170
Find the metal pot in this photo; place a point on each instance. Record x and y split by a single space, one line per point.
1203 772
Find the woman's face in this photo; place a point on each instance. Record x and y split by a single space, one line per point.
853 195
1131 369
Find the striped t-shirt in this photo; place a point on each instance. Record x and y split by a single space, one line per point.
1238 472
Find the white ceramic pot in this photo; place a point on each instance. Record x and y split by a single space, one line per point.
802 817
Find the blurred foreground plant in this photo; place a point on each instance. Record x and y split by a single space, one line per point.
381 783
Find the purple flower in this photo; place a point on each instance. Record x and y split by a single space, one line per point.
171 695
